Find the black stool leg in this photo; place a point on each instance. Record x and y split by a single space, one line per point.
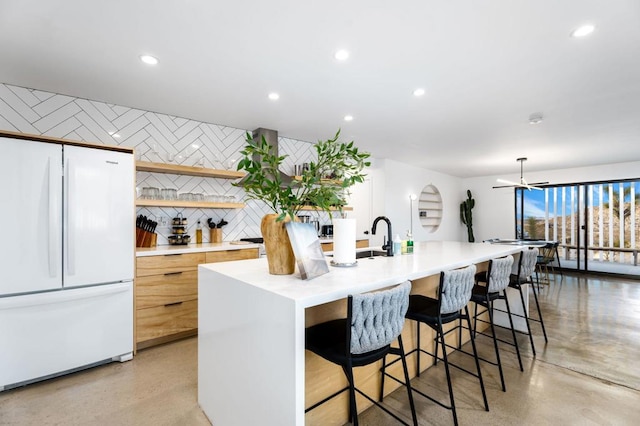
475 319
353 411
559 266
495 344
513 330
544 331
418 349
435 359
526 317
440 331
475 356
407 381
382 371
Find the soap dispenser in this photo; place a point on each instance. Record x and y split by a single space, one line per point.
397 245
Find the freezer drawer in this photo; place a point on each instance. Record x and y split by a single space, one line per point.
50 333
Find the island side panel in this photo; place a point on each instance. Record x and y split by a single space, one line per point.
250 354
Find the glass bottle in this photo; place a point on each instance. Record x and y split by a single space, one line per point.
199 233
409 242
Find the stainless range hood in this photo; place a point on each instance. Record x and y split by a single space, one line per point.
271 136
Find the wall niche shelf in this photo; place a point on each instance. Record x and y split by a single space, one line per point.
145 166
430 208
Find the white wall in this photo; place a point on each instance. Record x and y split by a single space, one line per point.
401 180
156 137
494 215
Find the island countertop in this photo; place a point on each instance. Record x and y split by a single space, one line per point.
429 258
251 328
194 248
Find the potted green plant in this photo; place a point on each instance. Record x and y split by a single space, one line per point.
323 185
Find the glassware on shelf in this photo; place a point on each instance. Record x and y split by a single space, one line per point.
150 193
230 163
169 194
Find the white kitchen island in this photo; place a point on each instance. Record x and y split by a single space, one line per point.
251 343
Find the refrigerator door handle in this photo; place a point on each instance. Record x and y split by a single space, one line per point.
70 224
53 220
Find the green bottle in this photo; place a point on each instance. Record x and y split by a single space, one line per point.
409 242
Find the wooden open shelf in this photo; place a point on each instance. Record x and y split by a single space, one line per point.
314 208
145 166
323 181
192 204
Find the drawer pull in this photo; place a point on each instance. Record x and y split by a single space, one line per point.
173 304
172 273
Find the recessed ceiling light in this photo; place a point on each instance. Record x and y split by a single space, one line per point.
418 92
341 55
274 96
583 31
348 118
535 118
149 60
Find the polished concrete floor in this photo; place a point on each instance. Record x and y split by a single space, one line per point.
588 374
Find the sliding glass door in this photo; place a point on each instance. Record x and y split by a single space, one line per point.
595 223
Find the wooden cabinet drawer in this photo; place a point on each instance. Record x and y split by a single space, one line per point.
173 287
362 243
161 321
158 265
227 255
359 244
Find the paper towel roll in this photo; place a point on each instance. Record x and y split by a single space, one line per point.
344 240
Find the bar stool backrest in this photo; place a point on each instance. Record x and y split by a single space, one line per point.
455 289
526 266
377 318
499 273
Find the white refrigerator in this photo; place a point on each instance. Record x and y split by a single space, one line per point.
67 253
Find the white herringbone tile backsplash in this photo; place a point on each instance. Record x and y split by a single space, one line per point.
156 137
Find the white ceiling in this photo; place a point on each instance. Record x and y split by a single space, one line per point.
485 65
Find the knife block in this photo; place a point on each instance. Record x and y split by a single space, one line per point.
215 235
145 238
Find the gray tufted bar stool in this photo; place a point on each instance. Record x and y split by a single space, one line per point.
374 321
522 274
454 293
496 281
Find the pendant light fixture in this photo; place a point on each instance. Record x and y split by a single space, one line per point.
523 183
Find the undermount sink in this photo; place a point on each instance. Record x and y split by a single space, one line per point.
370 253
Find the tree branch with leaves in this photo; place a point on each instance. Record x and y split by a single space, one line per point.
324 184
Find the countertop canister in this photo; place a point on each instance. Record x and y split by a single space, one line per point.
344 241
